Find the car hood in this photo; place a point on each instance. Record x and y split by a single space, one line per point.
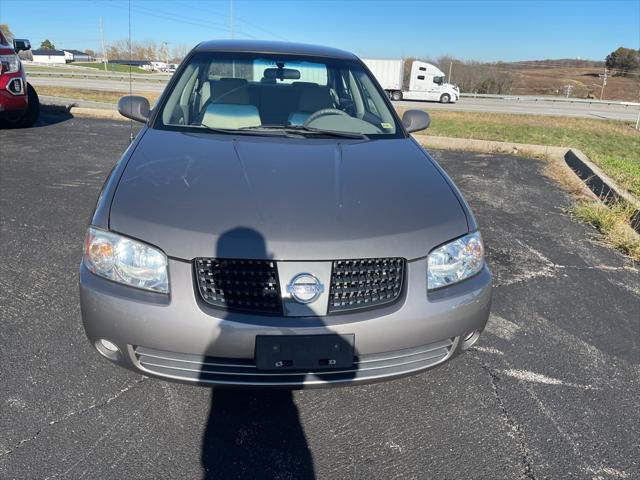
207 195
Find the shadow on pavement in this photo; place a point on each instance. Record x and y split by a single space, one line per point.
255 434
252 433
52 117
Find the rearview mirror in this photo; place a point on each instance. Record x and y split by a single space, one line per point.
20 44
281 74
415 120
134 107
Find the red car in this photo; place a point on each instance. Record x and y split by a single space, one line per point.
19 104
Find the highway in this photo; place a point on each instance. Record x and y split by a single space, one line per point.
465 104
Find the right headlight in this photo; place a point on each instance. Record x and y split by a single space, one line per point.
455 261
125 260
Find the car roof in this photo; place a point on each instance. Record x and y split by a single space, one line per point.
259 46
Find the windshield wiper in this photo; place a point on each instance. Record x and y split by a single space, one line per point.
240 131
316 131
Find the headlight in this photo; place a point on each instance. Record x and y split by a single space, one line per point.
9 63
455 261
124 260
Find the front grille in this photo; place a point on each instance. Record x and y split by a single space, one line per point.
236 284
367 283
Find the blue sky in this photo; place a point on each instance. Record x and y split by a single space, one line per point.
491 30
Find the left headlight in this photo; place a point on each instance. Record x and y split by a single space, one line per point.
9 63
455 261
124 260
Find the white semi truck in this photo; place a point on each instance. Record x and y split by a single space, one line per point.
426 82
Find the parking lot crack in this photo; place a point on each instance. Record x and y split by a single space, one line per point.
75 413
511 423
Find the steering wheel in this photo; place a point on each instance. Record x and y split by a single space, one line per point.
322 113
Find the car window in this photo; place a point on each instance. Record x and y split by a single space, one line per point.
223 91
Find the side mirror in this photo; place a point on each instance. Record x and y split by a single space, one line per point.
134 107
20 44
415 120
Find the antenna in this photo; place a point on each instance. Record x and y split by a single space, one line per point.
130 75
231 19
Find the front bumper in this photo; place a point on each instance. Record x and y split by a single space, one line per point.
12 105
179 337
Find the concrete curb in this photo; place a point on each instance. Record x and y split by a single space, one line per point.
80 108
596 183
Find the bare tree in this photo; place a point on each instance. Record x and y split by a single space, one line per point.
178 52
6 31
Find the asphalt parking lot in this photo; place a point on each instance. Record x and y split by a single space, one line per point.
550 391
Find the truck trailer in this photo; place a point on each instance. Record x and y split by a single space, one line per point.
426 81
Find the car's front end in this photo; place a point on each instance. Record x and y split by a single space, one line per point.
13 83
18 101
291 255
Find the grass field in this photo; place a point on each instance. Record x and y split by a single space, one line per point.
612 145
92 95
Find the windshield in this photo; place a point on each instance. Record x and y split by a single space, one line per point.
245 92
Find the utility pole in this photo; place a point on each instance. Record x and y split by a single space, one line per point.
104 55
450 67
604 77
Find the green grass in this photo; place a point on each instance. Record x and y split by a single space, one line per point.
111 67
614 146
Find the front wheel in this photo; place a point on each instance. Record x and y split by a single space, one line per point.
445 98
33 112
29 117
396 95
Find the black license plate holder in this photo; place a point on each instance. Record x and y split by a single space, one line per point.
304 352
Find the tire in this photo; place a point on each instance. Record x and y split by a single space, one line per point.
30 116
33 112
396 95
445 98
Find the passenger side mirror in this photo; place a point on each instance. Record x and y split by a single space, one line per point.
20 44
134 107
415 120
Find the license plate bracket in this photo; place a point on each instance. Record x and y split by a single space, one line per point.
304 352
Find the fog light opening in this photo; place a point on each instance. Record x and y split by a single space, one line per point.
107 349
470 339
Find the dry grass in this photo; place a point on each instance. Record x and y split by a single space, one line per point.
91 95
613 222
551 81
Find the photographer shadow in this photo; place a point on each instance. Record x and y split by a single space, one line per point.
253 433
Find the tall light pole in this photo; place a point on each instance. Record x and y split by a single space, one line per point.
104 54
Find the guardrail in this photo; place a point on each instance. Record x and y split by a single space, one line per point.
531 98
102 76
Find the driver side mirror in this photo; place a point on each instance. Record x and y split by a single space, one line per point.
415 120
21 45
134 107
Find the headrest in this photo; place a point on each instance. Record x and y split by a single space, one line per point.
314 98
230 90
